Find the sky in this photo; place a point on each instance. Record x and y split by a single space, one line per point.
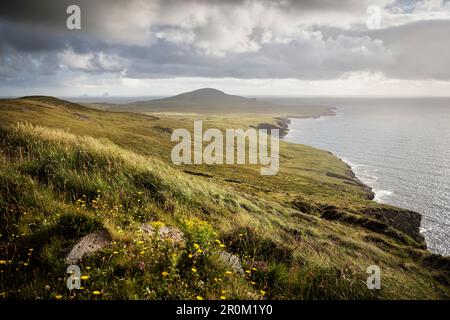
246 47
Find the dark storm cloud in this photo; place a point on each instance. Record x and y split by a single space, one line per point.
271 61
45 13
310 39
23 38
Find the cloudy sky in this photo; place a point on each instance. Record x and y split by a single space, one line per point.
304 47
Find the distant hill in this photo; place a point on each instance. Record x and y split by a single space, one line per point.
45 102
209 100
206 97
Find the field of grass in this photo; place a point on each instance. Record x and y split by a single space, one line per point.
310 232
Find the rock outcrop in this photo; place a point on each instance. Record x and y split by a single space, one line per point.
169 233
403 220
231 261
88 244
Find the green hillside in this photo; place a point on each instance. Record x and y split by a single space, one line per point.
309 232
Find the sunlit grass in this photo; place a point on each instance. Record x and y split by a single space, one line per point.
61 179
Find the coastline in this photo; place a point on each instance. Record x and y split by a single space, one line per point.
282 122
371 194
284 129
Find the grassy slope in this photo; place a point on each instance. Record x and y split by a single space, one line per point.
70 170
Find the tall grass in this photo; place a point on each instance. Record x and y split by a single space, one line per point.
56 186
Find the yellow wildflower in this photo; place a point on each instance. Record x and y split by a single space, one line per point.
84 277
263 292
58 297
165 273
196 246
222 298
228 272
199 298
194 270
96 292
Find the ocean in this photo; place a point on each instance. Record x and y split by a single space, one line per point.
400 147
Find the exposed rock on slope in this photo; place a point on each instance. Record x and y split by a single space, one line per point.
231 260
404 220
89 244
169 233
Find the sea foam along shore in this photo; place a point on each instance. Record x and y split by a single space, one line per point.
373 194
283 122
367 179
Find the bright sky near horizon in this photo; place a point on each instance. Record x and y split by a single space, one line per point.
246 47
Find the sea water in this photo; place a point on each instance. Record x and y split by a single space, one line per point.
400 147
